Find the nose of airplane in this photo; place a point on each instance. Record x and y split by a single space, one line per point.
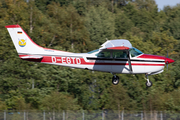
167 60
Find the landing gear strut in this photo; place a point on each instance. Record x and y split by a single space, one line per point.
115 80
148 83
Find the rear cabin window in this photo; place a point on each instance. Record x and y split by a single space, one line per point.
119 54
104 54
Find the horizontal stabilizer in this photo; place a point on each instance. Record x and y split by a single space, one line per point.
31 57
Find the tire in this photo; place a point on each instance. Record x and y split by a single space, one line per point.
149 84
115 80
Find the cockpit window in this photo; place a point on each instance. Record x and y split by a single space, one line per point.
135 52
93 51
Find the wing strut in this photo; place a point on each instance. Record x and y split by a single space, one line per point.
129 61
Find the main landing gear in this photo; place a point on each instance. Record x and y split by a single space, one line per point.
148 83
115 80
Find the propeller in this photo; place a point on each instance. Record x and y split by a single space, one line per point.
167 61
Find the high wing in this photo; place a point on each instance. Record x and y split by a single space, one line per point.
120 44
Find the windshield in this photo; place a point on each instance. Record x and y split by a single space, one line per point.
135 52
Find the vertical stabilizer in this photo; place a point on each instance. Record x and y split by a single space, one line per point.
22 42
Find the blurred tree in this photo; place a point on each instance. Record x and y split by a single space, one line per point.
172 22
3 105
80 26
100 23
74 35
122 24
118 98
59 101
147 4
163 42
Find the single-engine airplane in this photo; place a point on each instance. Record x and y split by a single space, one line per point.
115 56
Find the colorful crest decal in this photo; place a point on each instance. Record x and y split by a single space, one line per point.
22 42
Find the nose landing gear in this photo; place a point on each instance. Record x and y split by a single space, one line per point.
148 83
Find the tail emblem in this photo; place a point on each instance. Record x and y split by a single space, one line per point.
22 42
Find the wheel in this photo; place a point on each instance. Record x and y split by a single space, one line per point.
149 84
115 80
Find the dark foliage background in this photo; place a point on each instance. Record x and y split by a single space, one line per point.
81 26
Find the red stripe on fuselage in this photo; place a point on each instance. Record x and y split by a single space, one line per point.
146 56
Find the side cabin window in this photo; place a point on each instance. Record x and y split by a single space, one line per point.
112 54
119 54
104 54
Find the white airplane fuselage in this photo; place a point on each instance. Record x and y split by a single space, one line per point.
141 64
